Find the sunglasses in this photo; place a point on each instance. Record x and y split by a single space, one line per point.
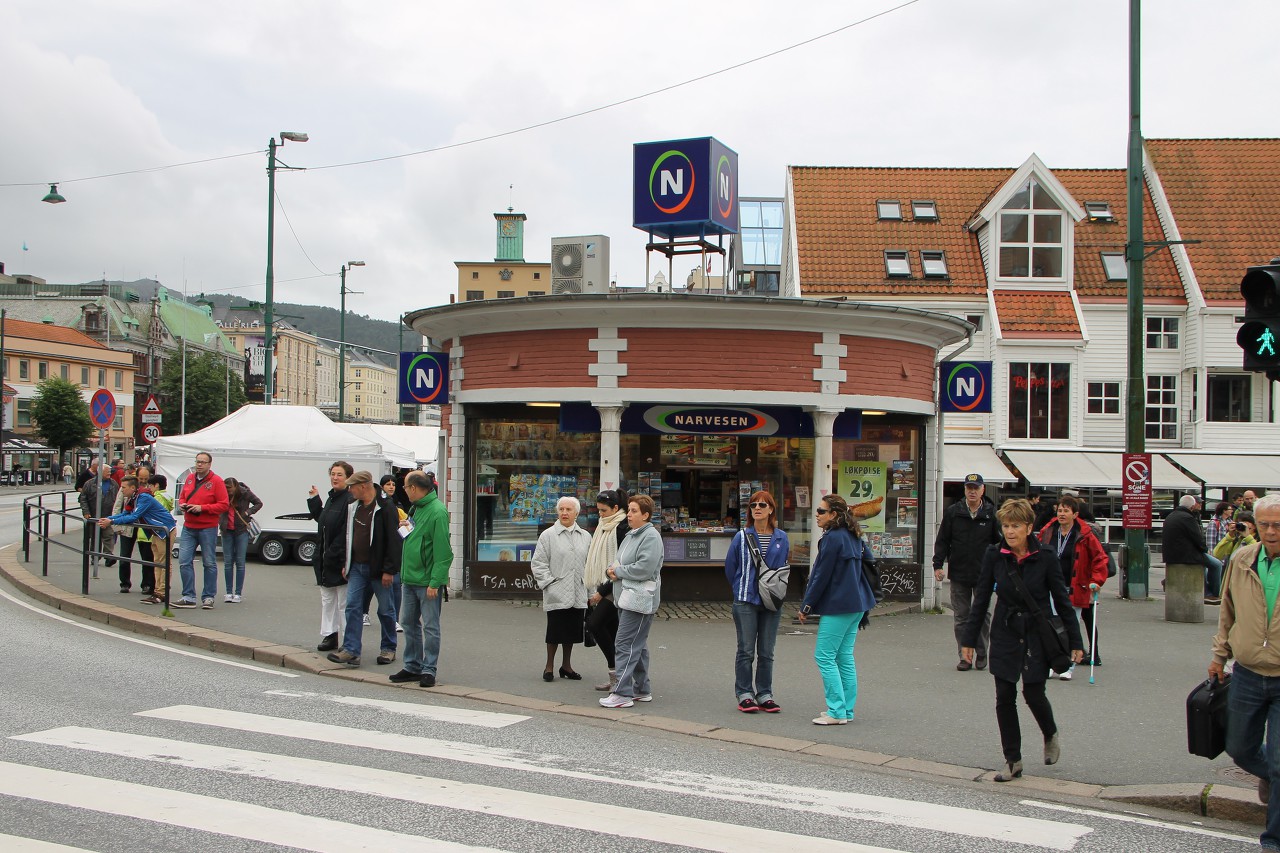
821 511
759 505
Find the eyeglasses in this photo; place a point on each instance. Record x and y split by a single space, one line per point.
821 511
759 505
1267 525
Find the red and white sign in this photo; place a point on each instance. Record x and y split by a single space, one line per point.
150 433
151 411
1137 491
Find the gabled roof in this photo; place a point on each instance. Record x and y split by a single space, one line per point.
1025 314
840 241
1226 193
48 332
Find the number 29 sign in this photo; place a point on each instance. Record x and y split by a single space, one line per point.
863 483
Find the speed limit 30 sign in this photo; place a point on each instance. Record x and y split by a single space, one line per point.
150 432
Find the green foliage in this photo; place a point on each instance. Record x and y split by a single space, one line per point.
61 415
206 384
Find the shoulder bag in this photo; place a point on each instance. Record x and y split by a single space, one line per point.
771 584
250 524
871 571
1053 632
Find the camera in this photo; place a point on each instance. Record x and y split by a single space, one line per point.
1241 526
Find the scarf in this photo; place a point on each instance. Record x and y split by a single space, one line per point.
603 550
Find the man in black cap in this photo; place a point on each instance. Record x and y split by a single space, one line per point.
968 527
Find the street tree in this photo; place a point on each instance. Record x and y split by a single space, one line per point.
61 415
209 388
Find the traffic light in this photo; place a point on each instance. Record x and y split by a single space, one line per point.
1259 336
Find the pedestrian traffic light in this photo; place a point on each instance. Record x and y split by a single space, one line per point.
1259 335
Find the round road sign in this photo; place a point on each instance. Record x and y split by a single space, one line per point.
150 432
102 408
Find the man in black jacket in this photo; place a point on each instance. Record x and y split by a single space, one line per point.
373 562
1183 538
968 528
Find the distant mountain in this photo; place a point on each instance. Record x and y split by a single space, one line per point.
319 320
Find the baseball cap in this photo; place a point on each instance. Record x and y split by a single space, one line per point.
973 480
359 478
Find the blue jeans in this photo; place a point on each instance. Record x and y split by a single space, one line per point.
631 654
1253 737
235 543
833 653
207 539
1212 575
420 616
757 633
362 585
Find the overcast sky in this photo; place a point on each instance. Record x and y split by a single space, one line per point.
92 88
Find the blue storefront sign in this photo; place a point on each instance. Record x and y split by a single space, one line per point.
685 188
424 378
964 386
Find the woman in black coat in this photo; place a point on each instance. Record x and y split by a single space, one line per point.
1016 650
330 558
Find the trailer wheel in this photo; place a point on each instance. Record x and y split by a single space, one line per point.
273 550
304 550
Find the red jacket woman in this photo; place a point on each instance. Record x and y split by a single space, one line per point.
1083 559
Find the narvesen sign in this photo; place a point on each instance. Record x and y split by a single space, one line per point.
424 378
685 188
717 421
964 386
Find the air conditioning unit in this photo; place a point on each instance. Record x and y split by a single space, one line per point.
580 264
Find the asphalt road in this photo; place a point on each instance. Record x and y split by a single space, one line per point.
111 742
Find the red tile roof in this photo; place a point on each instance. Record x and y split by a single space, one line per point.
1226 193
1045 314
49 332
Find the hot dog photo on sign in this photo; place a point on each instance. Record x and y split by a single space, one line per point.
863 485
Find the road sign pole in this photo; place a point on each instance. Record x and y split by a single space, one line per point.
95 540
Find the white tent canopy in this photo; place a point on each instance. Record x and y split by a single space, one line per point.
399 456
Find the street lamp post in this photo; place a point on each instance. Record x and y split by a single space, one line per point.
342 339
268 319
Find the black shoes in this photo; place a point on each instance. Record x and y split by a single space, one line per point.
547 675
570 674
428 680
404 676
964 666
328 644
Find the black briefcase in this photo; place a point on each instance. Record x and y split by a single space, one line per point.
1207 718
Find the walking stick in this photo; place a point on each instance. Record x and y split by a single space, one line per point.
1093 643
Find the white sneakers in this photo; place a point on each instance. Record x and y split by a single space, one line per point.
228 598
825 719
1066 676
235 599
613 700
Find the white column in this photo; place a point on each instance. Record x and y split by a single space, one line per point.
823 467
610 445
452 474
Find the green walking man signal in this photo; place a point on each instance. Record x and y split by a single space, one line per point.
1260 330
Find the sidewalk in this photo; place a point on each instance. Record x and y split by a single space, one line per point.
1124 737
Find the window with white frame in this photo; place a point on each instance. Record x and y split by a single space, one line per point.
1162 407
934 264
1115 266
886 209
924 210
1162 333
1103 398
1039 400
897 264
1031 231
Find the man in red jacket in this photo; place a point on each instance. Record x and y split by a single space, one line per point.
202 499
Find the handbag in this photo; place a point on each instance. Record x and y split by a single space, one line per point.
1053 631
771 583
251 525
1207 718
871 571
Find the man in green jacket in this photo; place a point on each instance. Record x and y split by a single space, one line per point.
424 574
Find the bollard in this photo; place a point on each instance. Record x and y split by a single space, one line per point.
1184 592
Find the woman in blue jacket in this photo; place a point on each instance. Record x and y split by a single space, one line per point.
757 626
838 592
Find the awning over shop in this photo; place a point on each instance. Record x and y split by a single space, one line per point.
1091 469
1226 469
961 459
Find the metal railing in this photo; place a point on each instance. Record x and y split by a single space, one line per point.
34 509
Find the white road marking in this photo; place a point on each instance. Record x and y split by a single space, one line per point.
1053 835
484 719
18 844
280 672
1143 821
208 814
604 818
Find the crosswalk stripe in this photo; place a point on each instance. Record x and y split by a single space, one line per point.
439 713
1052 835
603 818
209 814
18 844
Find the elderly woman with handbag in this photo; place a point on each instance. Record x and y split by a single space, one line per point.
638 572
235 525
754 550
1027 581
602 615
558 561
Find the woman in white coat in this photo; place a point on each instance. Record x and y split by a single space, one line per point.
558 562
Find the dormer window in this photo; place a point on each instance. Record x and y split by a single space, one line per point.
924 211
934 264
1114 265
1099 211
889 209
897 264
1031 234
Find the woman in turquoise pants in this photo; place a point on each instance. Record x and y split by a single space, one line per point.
840 594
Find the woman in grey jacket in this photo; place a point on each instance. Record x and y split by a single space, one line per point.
557 566
638 570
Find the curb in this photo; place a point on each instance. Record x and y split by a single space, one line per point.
1223 802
